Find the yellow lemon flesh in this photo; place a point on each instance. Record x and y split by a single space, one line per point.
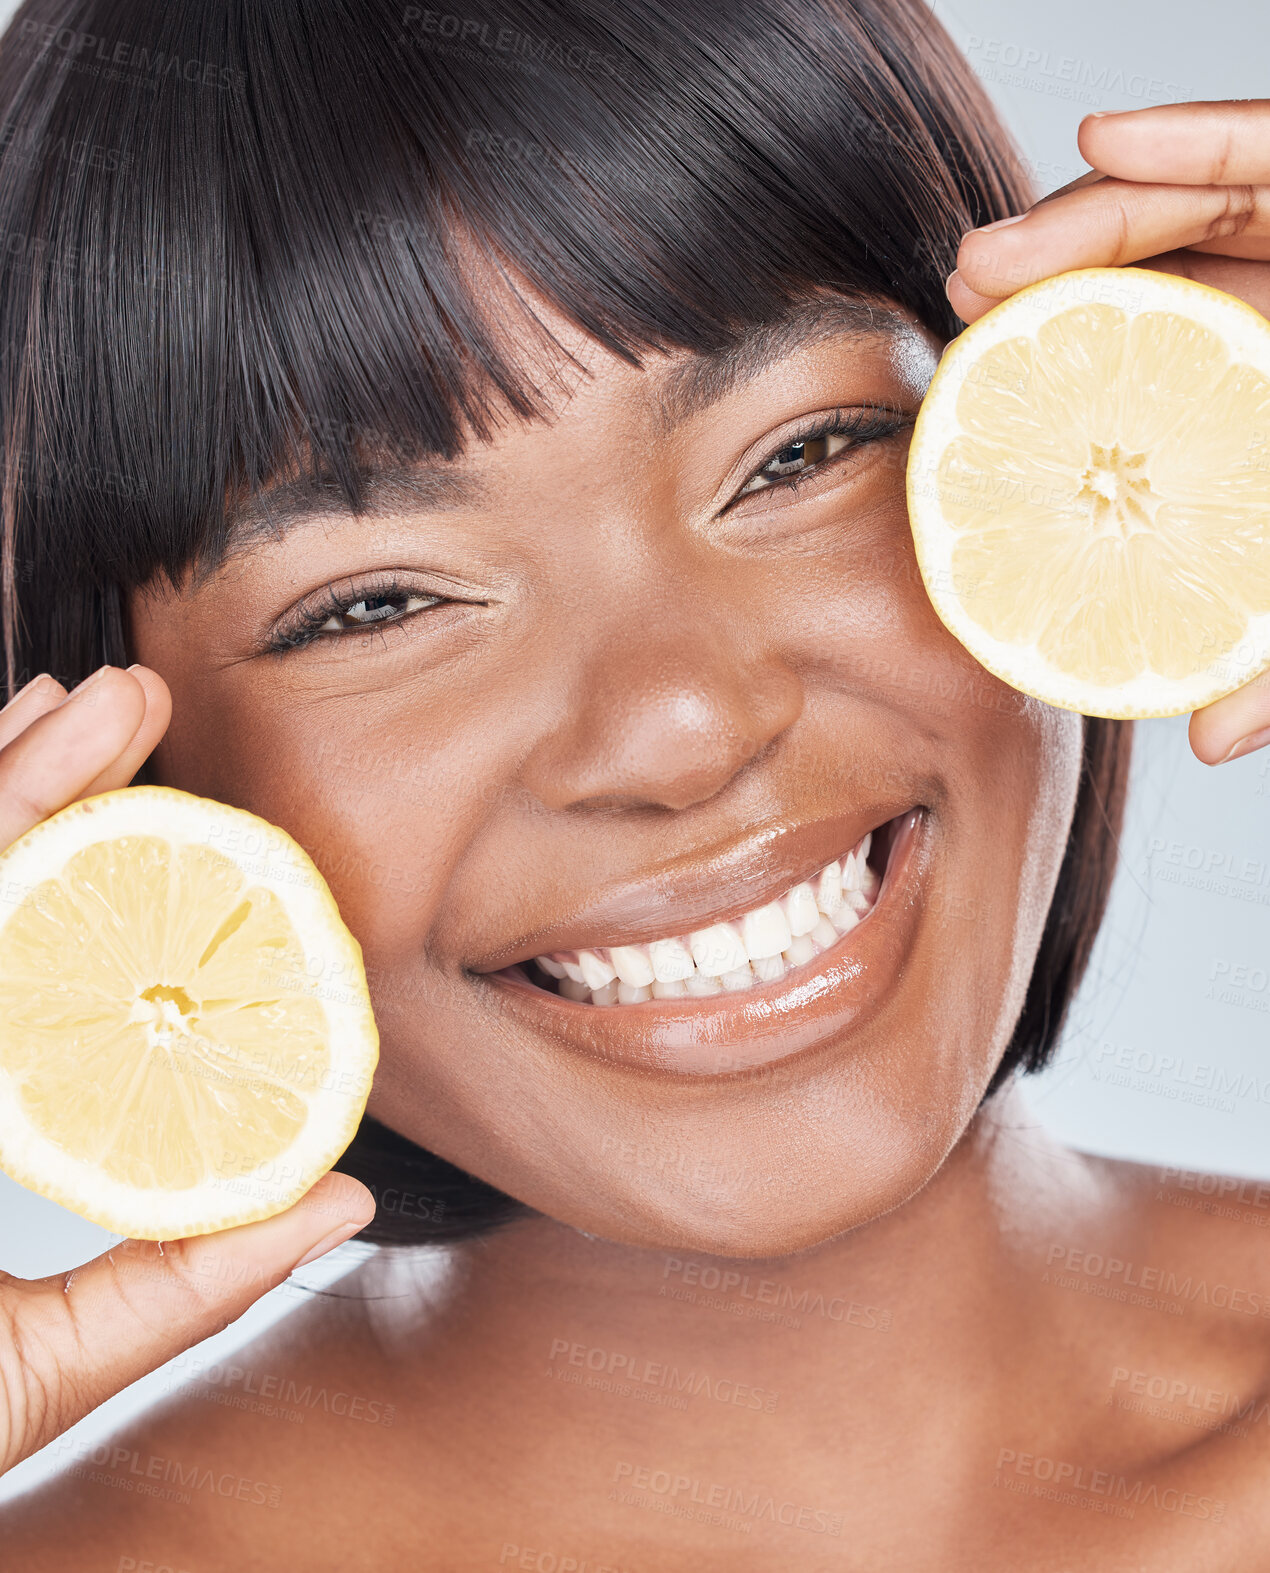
186 1037
1089 492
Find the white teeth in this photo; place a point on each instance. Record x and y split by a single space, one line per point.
718 950
596 972
801 910
760 947
856 872
801 948
672 960
829 890
765 932
632 965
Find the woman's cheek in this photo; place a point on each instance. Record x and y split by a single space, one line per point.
1008 765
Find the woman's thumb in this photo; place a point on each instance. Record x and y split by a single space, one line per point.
82 1337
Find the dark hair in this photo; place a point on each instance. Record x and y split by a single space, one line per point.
237 241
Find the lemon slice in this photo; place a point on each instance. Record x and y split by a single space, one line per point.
1089 491
186 1037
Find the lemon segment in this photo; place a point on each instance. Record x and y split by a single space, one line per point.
186 1036
1089 492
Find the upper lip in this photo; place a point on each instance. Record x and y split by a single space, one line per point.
697 889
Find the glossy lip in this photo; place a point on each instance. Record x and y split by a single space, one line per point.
725 1034
682 895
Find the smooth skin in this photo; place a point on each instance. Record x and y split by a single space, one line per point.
938 1326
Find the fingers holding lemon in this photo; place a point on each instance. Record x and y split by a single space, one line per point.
186 1047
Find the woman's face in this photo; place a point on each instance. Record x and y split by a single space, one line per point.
637 677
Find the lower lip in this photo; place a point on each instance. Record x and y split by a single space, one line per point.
724 1034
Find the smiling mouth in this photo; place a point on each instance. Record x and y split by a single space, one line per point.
755 949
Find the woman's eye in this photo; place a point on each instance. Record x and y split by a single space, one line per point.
344 613
375 609
797 459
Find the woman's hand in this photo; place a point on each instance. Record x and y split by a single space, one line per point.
68 1343
1181 188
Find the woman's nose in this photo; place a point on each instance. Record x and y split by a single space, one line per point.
664 717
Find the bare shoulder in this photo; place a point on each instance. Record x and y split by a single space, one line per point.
1181 1264
1199 1236
231 1468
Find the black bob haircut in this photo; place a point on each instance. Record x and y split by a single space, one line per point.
232 243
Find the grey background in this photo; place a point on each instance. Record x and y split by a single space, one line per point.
1165 1057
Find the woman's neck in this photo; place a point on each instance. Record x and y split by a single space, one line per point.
901 1331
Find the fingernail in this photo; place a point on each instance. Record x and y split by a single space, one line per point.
1246 745
346 1231
949 280
31 684
89 681
135 667
1001 223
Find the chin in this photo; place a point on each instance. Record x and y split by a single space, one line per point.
732 1204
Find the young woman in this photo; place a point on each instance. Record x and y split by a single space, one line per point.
475 441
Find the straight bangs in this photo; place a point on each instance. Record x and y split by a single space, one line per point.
251 239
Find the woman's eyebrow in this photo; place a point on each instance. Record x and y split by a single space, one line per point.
386 490
704 379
